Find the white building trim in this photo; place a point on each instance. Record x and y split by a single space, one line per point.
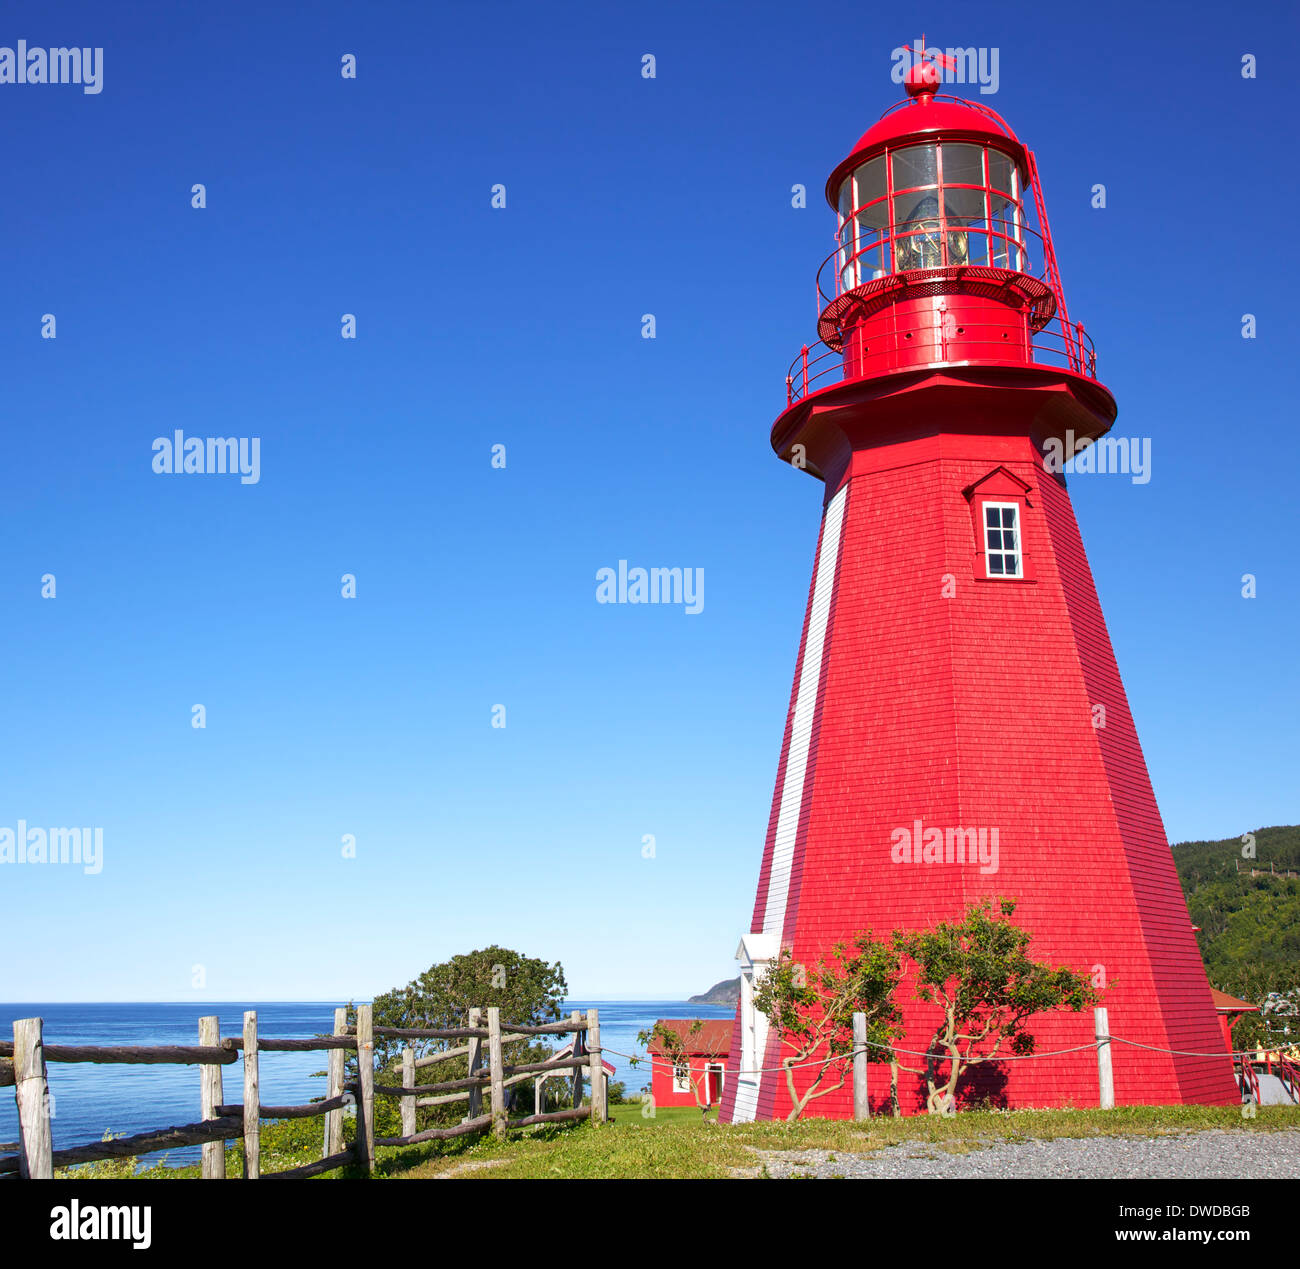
805 707
757 951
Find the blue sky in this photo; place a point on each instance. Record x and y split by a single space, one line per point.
522 327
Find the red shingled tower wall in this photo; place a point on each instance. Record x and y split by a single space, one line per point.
965 702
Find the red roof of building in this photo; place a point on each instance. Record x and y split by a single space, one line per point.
713 1039
1230 1004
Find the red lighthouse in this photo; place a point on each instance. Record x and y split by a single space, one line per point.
955 672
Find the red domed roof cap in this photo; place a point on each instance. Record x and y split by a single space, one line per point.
921 117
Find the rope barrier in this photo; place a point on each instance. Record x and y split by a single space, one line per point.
638 1060
1235 1053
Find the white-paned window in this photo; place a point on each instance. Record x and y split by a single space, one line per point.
1002 551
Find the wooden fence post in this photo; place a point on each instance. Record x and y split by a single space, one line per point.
475 1061
1105 1074
334 1087
252 1101
210 1097
408 1100
366 1072
496 1061
35 1145
861 1105
575 1017
598 1110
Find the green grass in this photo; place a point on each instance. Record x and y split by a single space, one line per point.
286 1143
677 1144
632 1113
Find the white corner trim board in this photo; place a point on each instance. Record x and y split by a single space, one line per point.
805 708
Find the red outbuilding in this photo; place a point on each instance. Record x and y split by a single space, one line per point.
958 729
693 1071
1230 1011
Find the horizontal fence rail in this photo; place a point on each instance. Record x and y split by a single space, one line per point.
134 1055
24 1065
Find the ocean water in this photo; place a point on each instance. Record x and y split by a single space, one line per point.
86 1098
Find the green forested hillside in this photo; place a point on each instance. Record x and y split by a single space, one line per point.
1244 918
1250 926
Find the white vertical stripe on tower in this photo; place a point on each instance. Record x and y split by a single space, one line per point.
805 706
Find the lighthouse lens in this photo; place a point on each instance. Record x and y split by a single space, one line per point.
958 245
919 244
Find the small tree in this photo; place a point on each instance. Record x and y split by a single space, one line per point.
979 972
526 990
813 1013
672 1044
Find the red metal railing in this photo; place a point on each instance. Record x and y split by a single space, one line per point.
1287 1071
972 342
1015 251
1249 1077
1049 252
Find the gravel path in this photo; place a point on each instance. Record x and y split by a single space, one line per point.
1211 1154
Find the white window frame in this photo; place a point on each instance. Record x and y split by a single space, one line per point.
1018 551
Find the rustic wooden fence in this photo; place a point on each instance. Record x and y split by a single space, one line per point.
23 1063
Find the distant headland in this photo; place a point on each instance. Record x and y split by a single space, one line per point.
727 992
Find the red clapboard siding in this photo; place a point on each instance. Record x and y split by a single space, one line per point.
975 709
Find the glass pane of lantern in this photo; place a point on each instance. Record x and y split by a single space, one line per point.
999 171
977 242
916 165
869 250
917 210
965 209
1005 242
870 179
846 199
963 165
963 204
847 275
